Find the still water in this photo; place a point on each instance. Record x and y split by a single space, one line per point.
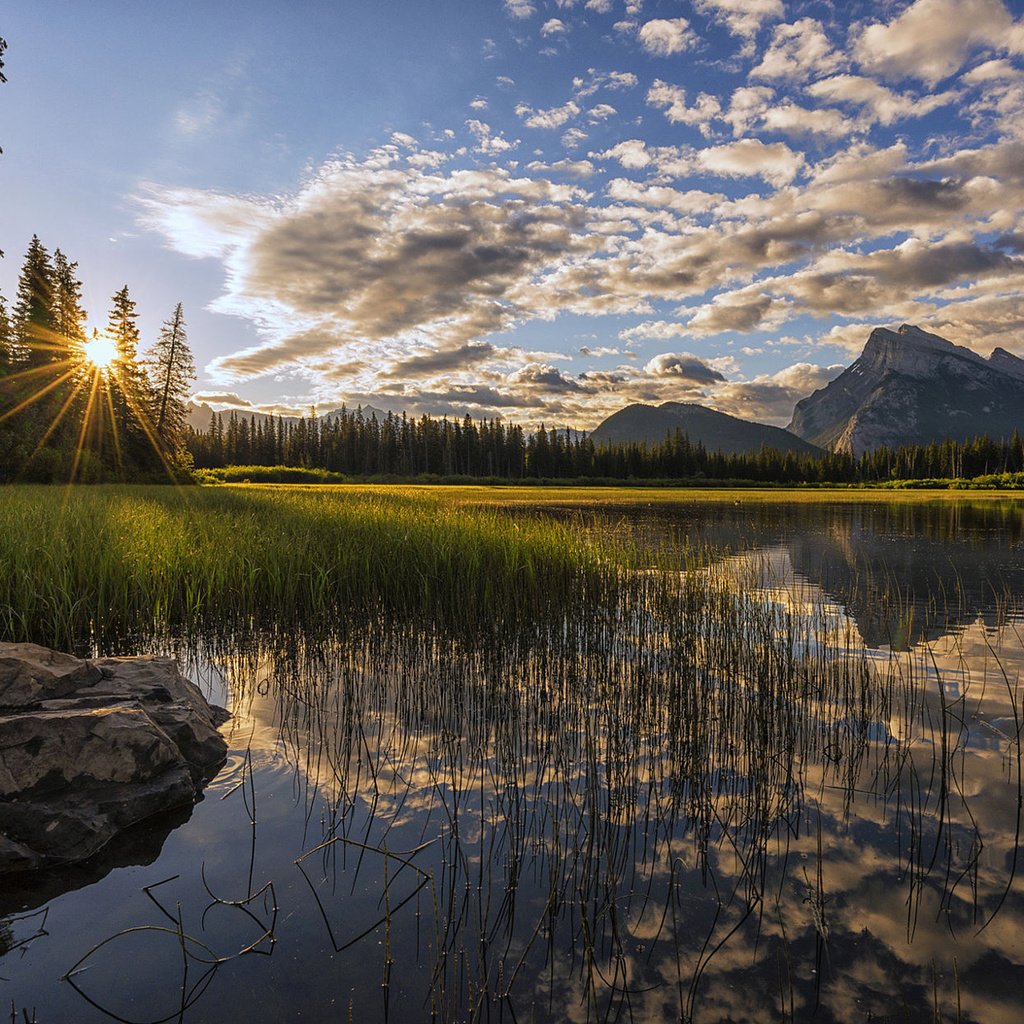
784 785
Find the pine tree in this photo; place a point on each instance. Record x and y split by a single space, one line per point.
33 308
172 370
5 339
132 397
67 315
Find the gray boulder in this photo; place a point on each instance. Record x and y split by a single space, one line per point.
89 748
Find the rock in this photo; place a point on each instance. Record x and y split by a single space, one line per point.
89 748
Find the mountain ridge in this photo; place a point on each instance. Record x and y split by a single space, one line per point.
910 386
716 431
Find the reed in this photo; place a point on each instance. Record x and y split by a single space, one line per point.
91 567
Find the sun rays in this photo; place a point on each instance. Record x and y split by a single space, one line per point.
84 390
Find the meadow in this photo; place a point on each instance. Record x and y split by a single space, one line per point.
549 754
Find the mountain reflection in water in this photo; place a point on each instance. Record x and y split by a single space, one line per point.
785 785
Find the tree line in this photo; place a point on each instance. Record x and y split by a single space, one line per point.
81 406
358 445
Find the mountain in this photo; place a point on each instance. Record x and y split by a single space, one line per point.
648 424
912 387
199 413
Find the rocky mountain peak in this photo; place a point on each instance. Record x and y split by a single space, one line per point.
911 387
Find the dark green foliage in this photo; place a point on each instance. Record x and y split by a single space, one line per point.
397 447
63 418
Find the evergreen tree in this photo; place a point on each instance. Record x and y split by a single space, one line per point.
67 315
33 308
172 370
132 398
5 339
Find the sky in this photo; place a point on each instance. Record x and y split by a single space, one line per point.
539 210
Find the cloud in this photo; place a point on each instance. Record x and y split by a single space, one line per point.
931 39
221 398
441 360
486 142
663 37
775 161
672 98
742 17
683 365
601 112
554 117
883 105
573 137
797 52
554 27
770 398
519 8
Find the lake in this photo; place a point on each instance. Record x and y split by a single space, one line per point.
770 770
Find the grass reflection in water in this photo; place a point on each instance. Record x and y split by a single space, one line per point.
676 788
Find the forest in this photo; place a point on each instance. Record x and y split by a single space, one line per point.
87 406
360 446
92 407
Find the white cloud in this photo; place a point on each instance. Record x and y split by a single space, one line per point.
775 162
486 142
743 17
554 117
553 27
519 8
882 104
672 98
601 112
573 137
931 39
663 37
479 103
599 6
797 52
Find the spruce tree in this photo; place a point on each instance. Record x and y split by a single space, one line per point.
5 339
172 370
132 398
67 315
33 308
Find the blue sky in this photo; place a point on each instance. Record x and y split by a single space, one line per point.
538 209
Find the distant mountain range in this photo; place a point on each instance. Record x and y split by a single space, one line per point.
907 387
912 387
199 414
716 431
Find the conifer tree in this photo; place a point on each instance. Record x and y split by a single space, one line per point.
33 307
67 315
5 339
172 370
132 397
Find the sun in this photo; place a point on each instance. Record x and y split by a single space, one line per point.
100 351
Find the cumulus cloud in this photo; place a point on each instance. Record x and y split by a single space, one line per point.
797 52
770 398
553 27
931 39
601 112
519 8
683 365
488 142
742 17
554 117
775 162
883 105
663 37
672 99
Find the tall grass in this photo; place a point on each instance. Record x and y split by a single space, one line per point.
94 566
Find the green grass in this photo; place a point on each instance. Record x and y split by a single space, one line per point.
87 566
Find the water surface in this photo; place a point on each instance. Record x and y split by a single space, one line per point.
783 786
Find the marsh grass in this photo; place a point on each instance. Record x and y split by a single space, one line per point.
568 771
95 567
